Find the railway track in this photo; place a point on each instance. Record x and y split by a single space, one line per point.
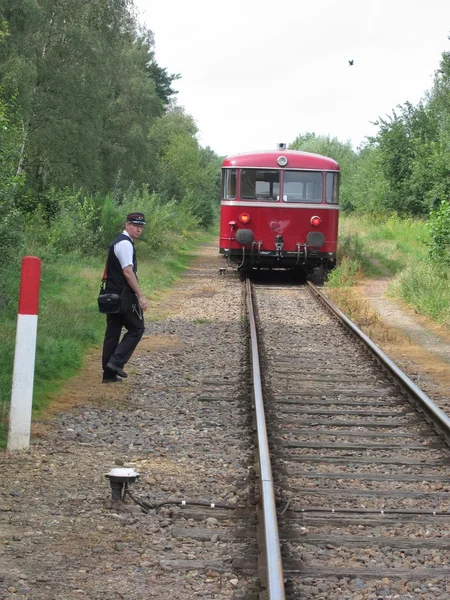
360 474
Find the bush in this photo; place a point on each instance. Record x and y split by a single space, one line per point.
166 221
201 208
439 228
12 244
424 287
111 219
74 229
346 274
72 225
12 237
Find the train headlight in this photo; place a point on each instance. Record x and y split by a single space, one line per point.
282 161
244 218
315 221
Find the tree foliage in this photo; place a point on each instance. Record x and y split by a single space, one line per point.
82 74
369 191
414 145
88 116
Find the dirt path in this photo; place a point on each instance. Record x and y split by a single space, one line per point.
404 319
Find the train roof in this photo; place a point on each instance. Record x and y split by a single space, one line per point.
296 159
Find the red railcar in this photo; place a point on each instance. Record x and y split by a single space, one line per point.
280 209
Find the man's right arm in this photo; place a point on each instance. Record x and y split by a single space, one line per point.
134 285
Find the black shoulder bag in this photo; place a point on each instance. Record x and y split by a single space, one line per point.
108 304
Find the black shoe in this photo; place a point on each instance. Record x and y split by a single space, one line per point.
115 379
118 370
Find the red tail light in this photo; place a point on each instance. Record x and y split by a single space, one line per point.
244 218
315 221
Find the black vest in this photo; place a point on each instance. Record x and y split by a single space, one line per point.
115 279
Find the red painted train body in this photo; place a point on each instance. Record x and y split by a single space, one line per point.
280 209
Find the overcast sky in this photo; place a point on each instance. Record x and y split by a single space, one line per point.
259 72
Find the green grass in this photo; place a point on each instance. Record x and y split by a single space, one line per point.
69 324
426 288
373 247
394 242
346 274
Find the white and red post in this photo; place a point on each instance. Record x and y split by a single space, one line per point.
24 356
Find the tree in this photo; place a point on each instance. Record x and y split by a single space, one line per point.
414 157
94 109
341 152
163 81
133 105
186 172
86 78
369 191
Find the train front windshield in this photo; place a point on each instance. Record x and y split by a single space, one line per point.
297 186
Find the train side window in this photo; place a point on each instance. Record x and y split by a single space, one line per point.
302 186
260 184
229 181
332 188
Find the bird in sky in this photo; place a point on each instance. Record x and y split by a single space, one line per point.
350 62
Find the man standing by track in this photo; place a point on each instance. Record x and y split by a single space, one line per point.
121 278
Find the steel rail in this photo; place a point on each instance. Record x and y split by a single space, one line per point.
439 416
275 581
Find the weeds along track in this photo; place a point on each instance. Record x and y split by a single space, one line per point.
361 478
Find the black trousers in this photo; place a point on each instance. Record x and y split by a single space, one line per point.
116 350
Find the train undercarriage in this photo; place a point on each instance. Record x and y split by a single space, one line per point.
306 261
